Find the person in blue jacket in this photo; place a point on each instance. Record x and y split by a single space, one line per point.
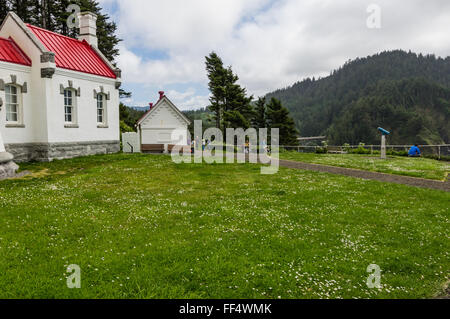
414 151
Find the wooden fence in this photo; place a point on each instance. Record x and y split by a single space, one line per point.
435 150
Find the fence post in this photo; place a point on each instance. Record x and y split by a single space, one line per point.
439 147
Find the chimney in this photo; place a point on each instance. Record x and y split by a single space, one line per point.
151 105
88 28
161 94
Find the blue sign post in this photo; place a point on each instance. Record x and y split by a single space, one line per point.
384 133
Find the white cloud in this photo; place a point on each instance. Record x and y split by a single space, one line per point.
188 99
177 69
270 44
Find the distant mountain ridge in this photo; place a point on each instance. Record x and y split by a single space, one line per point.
404 92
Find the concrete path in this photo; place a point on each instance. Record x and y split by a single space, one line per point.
388 178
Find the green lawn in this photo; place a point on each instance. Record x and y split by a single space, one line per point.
414 167
142 227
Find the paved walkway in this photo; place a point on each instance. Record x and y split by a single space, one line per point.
389 178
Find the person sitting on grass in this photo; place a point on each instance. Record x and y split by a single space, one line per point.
414 151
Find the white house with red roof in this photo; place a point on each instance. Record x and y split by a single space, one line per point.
162 127
59 97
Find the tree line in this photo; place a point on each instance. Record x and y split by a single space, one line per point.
231 107
414 110
399 90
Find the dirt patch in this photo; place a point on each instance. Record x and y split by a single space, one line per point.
18 175
39 174
445 292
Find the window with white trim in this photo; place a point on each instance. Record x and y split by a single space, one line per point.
101 109
13 107
69 106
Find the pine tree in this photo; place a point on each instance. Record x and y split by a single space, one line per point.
4 9
238 110
259 120
229 102
278 117
217 86
23 8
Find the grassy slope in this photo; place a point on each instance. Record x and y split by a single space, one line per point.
143 227
415 167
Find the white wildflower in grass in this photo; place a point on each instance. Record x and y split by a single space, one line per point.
140 223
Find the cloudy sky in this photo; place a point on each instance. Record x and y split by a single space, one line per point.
270 43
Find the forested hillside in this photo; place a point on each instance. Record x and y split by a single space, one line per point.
406 93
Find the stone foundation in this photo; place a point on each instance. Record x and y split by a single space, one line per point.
47 152
7 167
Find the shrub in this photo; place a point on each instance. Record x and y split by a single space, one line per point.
444 158
323 149
360 150
124 128
396 153
347 148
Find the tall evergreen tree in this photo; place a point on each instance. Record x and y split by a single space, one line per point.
23 8
238 110
217 84
4 9
229 102
278 117
259 120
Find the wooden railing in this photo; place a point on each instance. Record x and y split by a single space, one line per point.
436 150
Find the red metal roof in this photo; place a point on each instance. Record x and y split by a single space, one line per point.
72 54
10 52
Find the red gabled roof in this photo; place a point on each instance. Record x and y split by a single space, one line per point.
72 54
10 52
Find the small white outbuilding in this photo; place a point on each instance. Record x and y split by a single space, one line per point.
162 127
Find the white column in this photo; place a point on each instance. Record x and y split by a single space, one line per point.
383 147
